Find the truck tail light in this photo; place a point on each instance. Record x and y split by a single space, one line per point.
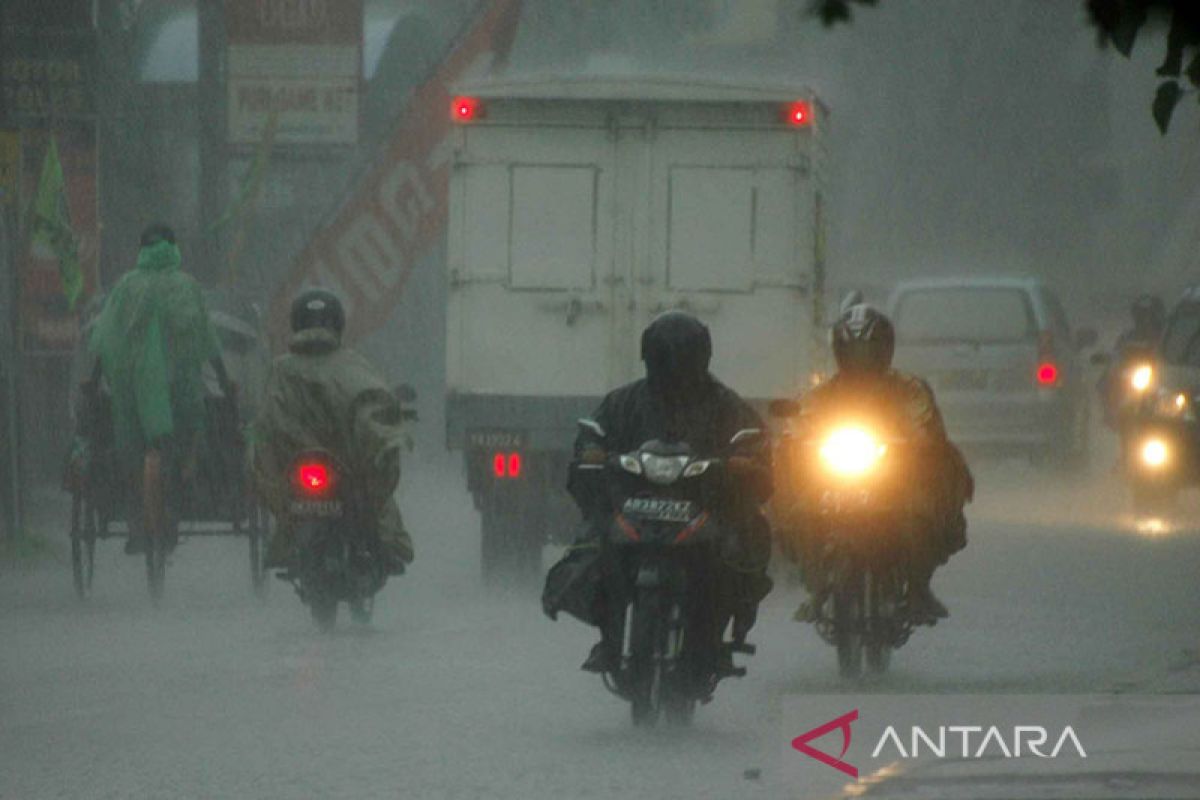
507 465
465 109
799 113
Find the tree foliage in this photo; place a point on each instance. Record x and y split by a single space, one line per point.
1119 23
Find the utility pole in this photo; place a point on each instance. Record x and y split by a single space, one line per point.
11 469
210 104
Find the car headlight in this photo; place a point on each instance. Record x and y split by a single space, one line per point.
1155 453
631 464
1171 403
696 468
851 451
1141 377
663 469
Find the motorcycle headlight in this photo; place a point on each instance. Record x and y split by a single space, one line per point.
663 469
1141 377
1155 453
1170 403
851 451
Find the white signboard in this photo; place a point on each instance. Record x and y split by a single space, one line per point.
301 59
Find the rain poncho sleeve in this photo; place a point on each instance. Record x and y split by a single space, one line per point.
153 338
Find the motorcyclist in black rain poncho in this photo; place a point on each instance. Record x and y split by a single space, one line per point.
677 401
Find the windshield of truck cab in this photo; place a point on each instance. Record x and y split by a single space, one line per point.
930 316
1181 341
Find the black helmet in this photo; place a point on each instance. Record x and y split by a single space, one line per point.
676 348
157 232
1148 312
317 308
863 340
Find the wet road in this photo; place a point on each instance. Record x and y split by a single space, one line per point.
457 693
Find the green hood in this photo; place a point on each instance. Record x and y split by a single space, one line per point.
161 256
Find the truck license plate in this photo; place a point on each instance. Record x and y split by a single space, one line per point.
659 509
480 439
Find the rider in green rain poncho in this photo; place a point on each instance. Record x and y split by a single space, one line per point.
152 339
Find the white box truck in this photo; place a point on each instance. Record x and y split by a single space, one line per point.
581 208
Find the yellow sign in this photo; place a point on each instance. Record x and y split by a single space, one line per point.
10 166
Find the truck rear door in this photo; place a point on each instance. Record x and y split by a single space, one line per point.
730 230
531 271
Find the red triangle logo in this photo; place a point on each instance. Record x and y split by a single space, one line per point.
801 743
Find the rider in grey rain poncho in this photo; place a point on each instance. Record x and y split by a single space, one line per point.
323 395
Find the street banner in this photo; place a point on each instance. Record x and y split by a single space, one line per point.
301 61
48 323
397 211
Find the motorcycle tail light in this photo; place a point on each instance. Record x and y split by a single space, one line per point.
1047 374
314 477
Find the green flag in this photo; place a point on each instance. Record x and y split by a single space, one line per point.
50 224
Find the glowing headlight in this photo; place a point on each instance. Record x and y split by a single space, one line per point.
851 451
1172 404
1140 377
1155 453
663 469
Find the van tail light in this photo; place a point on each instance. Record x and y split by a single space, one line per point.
507 465
1047 371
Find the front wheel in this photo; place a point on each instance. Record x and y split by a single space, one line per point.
1153 499
83 546
882 610
646 660
154 522
848 626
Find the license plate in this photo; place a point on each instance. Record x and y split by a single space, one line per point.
316 508
495 440
659 509
841 501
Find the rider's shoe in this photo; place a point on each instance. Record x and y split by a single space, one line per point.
924 606
602 659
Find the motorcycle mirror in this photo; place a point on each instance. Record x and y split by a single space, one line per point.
783 408
405 393
592 426
746 435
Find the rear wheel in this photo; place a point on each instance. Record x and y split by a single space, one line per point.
83 546
257 534
361 610
324 613
848 624
510 549
154 516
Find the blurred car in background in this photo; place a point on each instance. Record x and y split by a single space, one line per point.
1003 361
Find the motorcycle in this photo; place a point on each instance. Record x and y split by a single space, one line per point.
852 483
339 555
664 537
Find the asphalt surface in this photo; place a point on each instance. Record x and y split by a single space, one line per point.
456 692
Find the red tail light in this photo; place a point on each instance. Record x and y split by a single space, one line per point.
314 477
1047 374
507 465
465 109
1047 371
799 113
